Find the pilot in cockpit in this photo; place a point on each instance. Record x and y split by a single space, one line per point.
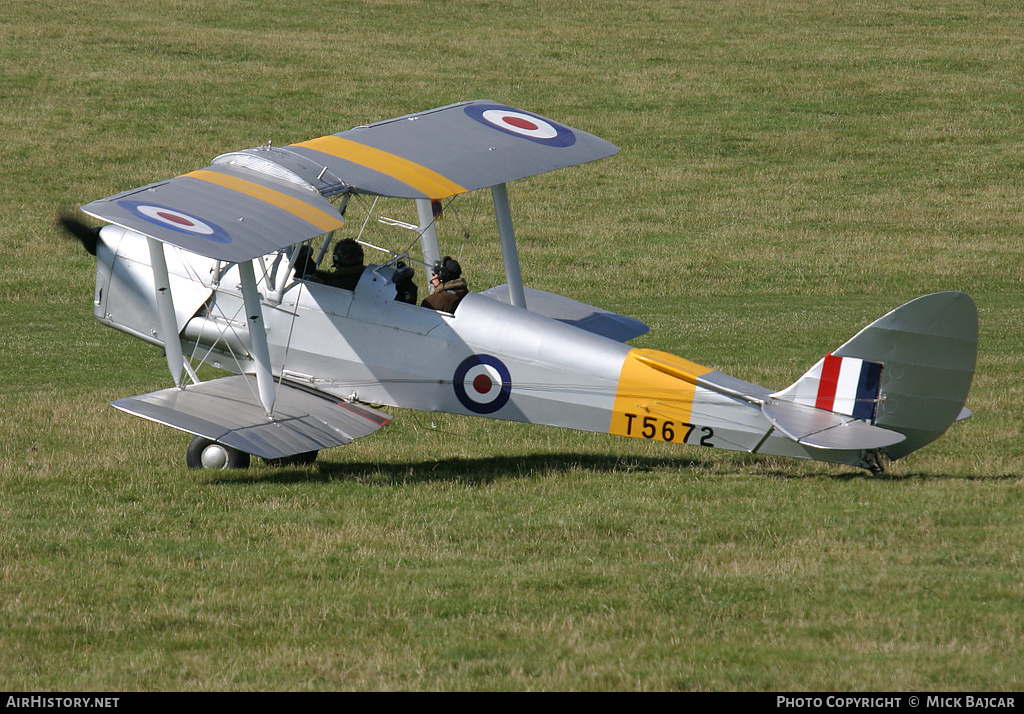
348 265
448 285
348 268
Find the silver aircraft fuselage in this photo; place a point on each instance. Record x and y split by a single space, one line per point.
489 359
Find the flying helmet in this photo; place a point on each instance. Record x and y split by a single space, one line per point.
348 254
447 269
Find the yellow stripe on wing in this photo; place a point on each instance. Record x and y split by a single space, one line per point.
300 209
426 181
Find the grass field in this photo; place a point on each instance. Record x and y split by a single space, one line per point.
789 172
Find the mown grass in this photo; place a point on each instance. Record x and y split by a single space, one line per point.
789 172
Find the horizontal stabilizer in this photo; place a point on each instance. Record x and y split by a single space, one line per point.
228 411
826 430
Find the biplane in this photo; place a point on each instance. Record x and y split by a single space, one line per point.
212 267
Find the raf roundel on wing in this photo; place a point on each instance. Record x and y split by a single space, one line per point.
520 123
177 221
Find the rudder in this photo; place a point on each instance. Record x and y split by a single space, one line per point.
909 371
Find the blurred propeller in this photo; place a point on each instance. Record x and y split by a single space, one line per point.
85 234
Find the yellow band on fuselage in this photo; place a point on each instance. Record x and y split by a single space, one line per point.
654 398
426 181
298 208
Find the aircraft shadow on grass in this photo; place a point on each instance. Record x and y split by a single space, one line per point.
484 470
481 470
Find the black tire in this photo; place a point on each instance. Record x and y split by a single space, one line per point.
203 453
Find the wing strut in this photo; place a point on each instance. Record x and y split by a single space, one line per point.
509 253
165 310
428 233
257 336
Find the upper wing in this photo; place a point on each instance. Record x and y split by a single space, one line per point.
252 202
450 150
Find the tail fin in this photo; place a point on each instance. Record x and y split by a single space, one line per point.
909 371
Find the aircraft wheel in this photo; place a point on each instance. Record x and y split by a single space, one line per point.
206 454
303 459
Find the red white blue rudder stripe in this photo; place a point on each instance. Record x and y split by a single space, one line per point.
844 385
